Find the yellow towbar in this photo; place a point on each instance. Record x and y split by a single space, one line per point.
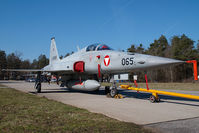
155 97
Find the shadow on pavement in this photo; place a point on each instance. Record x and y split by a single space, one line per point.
125 93
145 96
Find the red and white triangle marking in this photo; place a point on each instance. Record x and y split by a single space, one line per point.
106 60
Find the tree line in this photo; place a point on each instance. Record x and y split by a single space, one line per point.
14 61
179 47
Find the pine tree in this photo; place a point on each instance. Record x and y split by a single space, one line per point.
3 63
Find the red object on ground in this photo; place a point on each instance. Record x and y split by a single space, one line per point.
135 83
146 82
195 71
99 72
78 66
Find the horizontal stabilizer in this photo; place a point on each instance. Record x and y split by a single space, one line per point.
35 70
22 70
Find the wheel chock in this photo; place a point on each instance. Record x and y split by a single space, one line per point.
118 96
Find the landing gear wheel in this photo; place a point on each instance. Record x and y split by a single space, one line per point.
152 99
38 87
113 92
158 99
107 90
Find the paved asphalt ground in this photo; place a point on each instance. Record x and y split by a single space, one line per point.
171 115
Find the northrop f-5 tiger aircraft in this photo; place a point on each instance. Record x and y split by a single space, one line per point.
84 69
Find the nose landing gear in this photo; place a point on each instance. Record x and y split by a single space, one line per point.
38 87
111 91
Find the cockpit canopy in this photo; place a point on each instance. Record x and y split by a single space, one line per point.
97 47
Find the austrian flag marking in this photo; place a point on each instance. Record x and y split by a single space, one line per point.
106 60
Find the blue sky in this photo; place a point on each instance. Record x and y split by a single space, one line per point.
27 25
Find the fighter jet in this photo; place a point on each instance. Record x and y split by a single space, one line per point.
85 69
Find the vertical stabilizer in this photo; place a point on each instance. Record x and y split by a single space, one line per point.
78 49
54 57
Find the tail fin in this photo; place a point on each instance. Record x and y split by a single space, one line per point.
78 49
54 57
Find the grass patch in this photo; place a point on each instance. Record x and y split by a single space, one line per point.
2 85
173 86
22 112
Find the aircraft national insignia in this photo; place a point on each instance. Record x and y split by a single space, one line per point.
106 60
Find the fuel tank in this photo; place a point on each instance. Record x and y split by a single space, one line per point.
87 85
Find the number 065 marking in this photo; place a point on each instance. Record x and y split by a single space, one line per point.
127 61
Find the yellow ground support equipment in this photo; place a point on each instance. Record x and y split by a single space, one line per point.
118 96
155 98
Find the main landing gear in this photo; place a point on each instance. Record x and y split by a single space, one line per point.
38 83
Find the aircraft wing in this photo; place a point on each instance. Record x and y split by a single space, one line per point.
23 70
34 70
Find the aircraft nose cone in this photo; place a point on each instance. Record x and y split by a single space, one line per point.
159 61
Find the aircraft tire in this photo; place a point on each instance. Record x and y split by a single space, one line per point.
107 89
38 87
158 99
152 99
113 92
